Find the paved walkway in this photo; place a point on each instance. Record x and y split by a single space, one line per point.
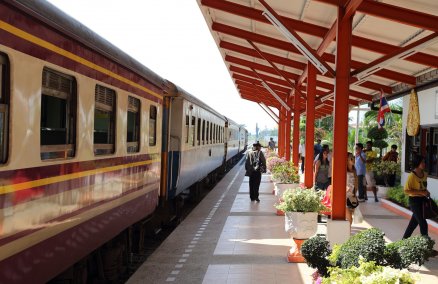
228 239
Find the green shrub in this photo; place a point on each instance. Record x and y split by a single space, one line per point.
405 252
315 250
397 195
369 244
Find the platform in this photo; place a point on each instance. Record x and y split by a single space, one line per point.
229 239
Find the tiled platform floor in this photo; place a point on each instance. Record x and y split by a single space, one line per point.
229 239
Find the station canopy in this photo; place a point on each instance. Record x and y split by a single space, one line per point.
267 44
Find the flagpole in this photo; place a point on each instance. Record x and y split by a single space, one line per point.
389 107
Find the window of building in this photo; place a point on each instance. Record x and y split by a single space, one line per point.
58 115
104 121
152 126
193 135
133 125
425 144
4 108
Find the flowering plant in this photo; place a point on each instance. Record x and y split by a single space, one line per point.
273 161
270 153
301 200
285 172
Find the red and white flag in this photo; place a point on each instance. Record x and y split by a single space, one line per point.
384 108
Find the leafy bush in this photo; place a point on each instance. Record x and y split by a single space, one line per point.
368 272
301 200
398 195
386 168
285 173
369 244
315 250
403 253
376 133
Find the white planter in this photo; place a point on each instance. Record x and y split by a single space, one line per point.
280 188
382 191
301 225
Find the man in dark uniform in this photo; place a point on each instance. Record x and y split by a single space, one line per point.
255 165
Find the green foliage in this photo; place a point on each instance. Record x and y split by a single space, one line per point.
398 195
376 133
381 144
315 250
285 172
386 168
369 272
403 253
301 200
369 244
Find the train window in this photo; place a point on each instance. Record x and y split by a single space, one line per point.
203 132
104 121
199 131
133 125
152 126
187 129
206 133
193 132
4 107
211 134
58 115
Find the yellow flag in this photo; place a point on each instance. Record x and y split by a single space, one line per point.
413 125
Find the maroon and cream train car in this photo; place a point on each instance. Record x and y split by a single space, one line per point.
80 141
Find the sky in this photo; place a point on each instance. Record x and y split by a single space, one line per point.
171 38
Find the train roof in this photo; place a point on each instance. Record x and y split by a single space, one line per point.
54 17
180 92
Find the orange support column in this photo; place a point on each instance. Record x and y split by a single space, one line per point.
287 132
296 133
342 87
280 133
310 124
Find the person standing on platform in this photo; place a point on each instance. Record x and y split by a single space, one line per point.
352 185
391 156
321 174
360 170
317 148
325 147
416 189
271 144
369 176
302 153
255 165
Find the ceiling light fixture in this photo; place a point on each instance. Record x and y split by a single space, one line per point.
301 48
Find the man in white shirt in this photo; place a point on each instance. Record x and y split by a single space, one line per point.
302 153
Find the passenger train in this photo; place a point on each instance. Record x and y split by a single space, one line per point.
91 144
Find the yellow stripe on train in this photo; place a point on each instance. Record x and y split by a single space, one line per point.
45 181
31 38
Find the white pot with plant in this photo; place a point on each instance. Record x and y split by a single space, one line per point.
301 207
286 176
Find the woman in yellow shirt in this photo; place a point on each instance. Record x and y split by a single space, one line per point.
416 189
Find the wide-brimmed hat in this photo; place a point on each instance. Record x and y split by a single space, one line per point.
257 144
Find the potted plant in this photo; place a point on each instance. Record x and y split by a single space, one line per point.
286 176
301 207
271 163
384 169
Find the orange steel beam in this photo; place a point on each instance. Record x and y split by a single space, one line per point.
395 14
292 76
296 131
280 132
409 49
340 144
331 34
297 37
291 84
351 8
260 89
310 125
319 31
257 99
288 128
